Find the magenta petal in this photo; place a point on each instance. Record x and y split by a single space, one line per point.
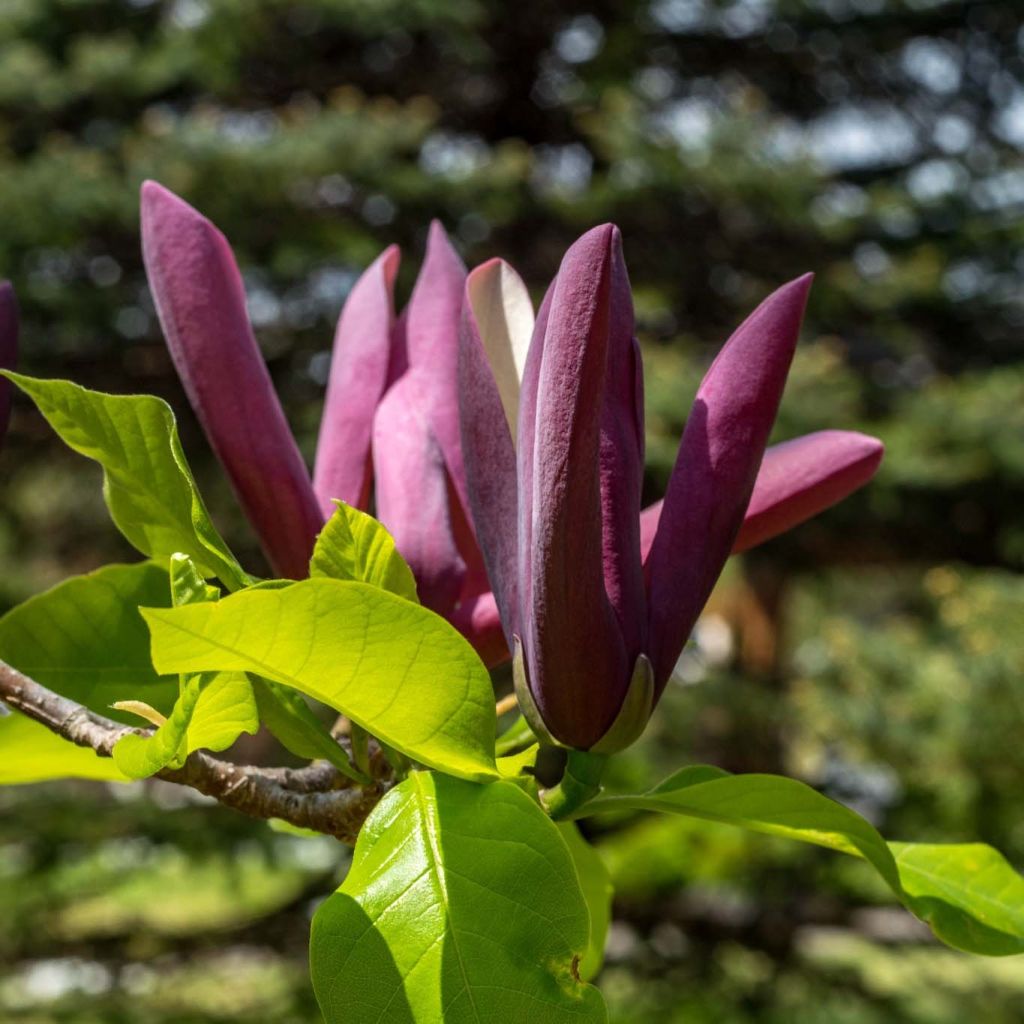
359 373
201 304
800 478
575 657
8 349
490 464
797 480
716 467
413 492
477 619
622 462
432 340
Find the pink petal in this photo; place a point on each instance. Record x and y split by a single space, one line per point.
201 304
432 338
477 619
797 480
359 373
413 494
800 478
716 467
490 458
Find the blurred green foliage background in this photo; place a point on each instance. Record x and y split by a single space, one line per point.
877 652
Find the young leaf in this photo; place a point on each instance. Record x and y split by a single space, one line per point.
462 904
146 481
354 546
212 711
972 899
596 886
85 640
393 667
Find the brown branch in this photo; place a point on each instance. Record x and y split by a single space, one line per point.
317 797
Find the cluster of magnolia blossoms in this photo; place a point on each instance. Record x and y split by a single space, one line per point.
504 452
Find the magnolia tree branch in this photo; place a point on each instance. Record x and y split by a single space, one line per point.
317 797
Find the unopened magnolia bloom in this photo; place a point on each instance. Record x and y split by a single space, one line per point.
390 425
8 350
596 598
391 437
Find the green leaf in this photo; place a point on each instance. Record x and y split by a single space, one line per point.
968 894
354 546
85 640
297 728
212 711
29 752
462 905
393 667
596 886
146 481
187 583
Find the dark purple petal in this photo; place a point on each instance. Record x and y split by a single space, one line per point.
359 373
800 478
716 467
575 658
413 495
797 480
201 304
526 430
8 350
487 446
622 462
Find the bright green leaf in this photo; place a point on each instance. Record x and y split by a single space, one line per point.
85 640
187 583
596 886
29 752
212 709
462 905
393 667
211 712
968 893
146 481
970 896
354 546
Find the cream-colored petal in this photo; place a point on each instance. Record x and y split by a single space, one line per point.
504 316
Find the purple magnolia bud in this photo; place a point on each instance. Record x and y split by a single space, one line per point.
359 374
577 664
714 475
797 480
201 304
8 349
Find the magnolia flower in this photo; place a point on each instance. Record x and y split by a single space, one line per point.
596 599
390 436
390 424
8 349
